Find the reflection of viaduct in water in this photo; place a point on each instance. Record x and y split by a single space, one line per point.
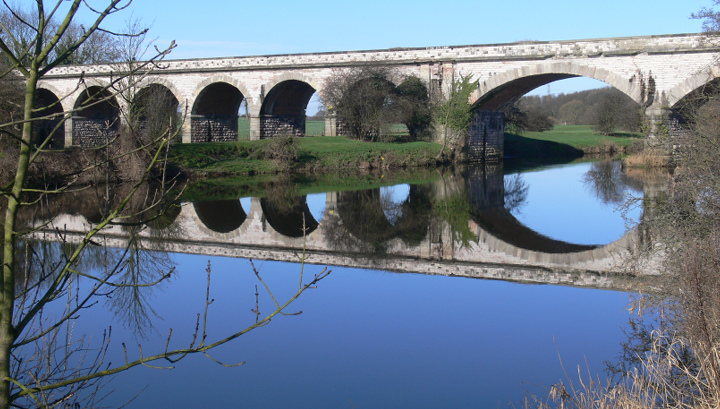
504 248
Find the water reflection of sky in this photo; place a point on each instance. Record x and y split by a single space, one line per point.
316 204
245 203
372 338
561 207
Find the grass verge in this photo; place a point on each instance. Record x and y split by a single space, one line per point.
313 153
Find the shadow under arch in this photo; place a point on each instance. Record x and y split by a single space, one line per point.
47 103
97 119
214 115
283 109
220 216
288 218
502 88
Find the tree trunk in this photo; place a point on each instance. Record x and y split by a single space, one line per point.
7 331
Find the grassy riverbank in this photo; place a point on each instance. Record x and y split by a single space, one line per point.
568 141
334 153
302 154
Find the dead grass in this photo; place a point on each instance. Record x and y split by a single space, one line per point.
647 158
663 380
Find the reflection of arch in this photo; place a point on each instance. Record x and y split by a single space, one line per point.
167 217
283 109
97 116
287 219
363 214
214 115
220 216
503 87
592 253
503 225
47 103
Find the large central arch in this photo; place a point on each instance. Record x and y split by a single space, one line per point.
501 88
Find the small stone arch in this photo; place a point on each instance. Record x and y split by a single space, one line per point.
292 219
502 87
220 78
153 111
292 76
167 84
210 121
65 100
51 104
97 124
282 109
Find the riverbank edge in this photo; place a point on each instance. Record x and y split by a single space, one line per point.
339 154
303 155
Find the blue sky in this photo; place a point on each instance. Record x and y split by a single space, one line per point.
219 28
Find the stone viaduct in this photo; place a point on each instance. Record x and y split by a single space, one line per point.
656 71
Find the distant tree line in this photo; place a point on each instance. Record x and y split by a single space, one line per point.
607 110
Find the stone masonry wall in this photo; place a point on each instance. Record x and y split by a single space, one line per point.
486 137
678 136
214 128
282 125
92 132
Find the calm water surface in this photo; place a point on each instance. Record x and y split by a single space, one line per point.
376 339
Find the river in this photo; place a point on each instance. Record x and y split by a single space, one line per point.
403 319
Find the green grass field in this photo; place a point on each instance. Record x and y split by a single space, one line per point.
565 141
580 136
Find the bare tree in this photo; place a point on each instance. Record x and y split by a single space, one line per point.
40 363
367 102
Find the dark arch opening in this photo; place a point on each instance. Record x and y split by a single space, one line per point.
287 218
283 109
154 111
214 115
97 120
47 104
221 216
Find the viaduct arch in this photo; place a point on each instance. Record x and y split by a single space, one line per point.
638 66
